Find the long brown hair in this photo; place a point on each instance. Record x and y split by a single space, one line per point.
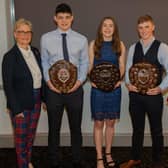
116 45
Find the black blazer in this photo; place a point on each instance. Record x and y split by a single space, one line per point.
18 81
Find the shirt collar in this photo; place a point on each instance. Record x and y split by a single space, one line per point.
26 53
150 41
67 32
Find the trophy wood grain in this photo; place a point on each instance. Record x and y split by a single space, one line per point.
63 75
105 75
144 76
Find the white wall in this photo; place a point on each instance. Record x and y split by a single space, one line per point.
3 29
123 127
4 123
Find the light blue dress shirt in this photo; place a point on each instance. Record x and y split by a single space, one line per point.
51 51
162 58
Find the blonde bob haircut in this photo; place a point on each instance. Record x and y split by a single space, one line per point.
22 21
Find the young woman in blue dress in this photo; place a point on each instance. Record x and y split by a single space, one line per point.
105 106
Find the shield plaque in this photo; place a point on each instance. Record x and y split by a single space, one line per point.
144 76
105 75
63 75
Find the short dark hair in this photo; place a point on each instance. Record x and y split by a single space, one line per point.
145 18
63 8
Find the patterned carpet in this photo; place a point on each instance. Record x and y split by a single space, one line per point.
120 154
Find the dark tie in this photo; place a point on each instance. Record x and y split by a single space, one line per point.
64 47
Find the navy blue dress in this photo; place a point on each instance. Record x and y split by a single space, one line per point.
106 105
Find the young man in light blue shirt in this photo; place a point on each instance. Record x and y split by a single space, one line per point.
52 51
150 50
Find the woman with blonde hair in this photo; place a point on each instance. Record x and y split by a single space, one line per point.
22 81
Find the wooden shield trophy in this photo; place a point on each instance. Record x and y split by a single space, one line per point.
63 75
105 75
144 76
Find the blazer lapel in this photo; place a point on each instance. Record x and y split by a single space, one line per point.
22 60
